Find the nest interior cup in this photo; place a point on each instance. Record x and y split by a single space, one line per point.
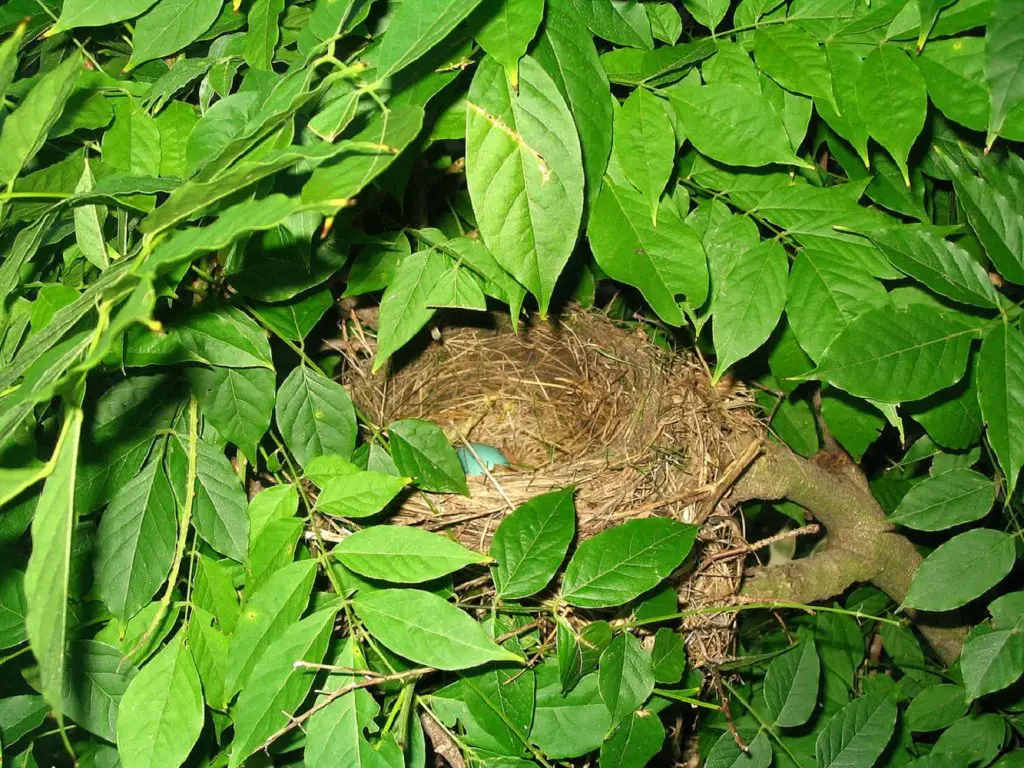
583 402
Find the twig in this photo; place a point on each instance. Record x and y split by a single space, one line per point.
807 530
486 471
726 481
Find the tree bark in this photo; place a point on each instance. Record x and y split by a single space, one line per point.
862 546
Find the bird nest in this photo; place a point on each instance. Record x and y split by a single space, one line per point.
582 402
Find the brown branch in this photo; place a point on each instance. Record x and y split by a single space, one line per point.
862 545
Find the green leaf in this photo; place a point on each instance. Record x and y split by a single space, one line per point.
791 685
943 266
944 501
662 261
749 303
26 128
169 27
19 715
427 629
214 592
991 660
398 553
524 173
1004 63
422 452
132 144
360 494
277 686
1001 396
708 13
296 318
568 724
858 733
666 23
530 544
726 753
961 569
844 65
135 541
98 13
621 563
892 99
892 354
48 576
793 58
668 657
415 29
238 402
161 713
404 308
315 416
731 124
265 617
634 742
209 646
510 26
566 52
952 417
825 293
936 708
625 677
89 224
12 607
264 33
618 21
101 677
222 336
645 144
272 549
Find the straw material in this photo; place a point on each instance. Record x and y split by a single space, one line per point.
585 403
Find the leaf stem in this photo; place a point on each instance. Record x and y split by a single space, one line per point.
760 604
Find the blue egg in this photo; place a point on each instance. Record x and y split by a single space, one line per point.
489 455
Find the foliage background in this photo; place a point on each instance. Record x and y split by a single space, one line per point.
823 195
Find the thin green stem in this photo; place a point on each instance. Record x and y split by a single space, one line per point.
764 726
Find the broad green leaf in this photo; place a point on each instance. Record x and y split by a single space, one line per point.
668 656
239 402
416 28
731 124
277 686
825 293
169 27
12 607
625 677
263 34
725 753
20 715
634 742
791 685
135 541
360 494
569 652
618 21
749 303
666 23
976 738
991 660
857 734
26 128
663 261
272 549
892 354
1004 62
708 13
961 569
845 64
9 57
946 500
101 677
427 629
566 52
404 308
621 563
98 13
219 510
510 26
422 452
793 58
219 336
315 416
568 724
89 224
48 576
161 714
296 318
936 708
941 265
1001 395
457 288
214 592
209 646
530 544
402 554
524 173
892 99
265 617
132 143
645 144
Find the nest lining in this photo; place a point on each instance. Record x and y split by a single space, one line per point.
582 402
